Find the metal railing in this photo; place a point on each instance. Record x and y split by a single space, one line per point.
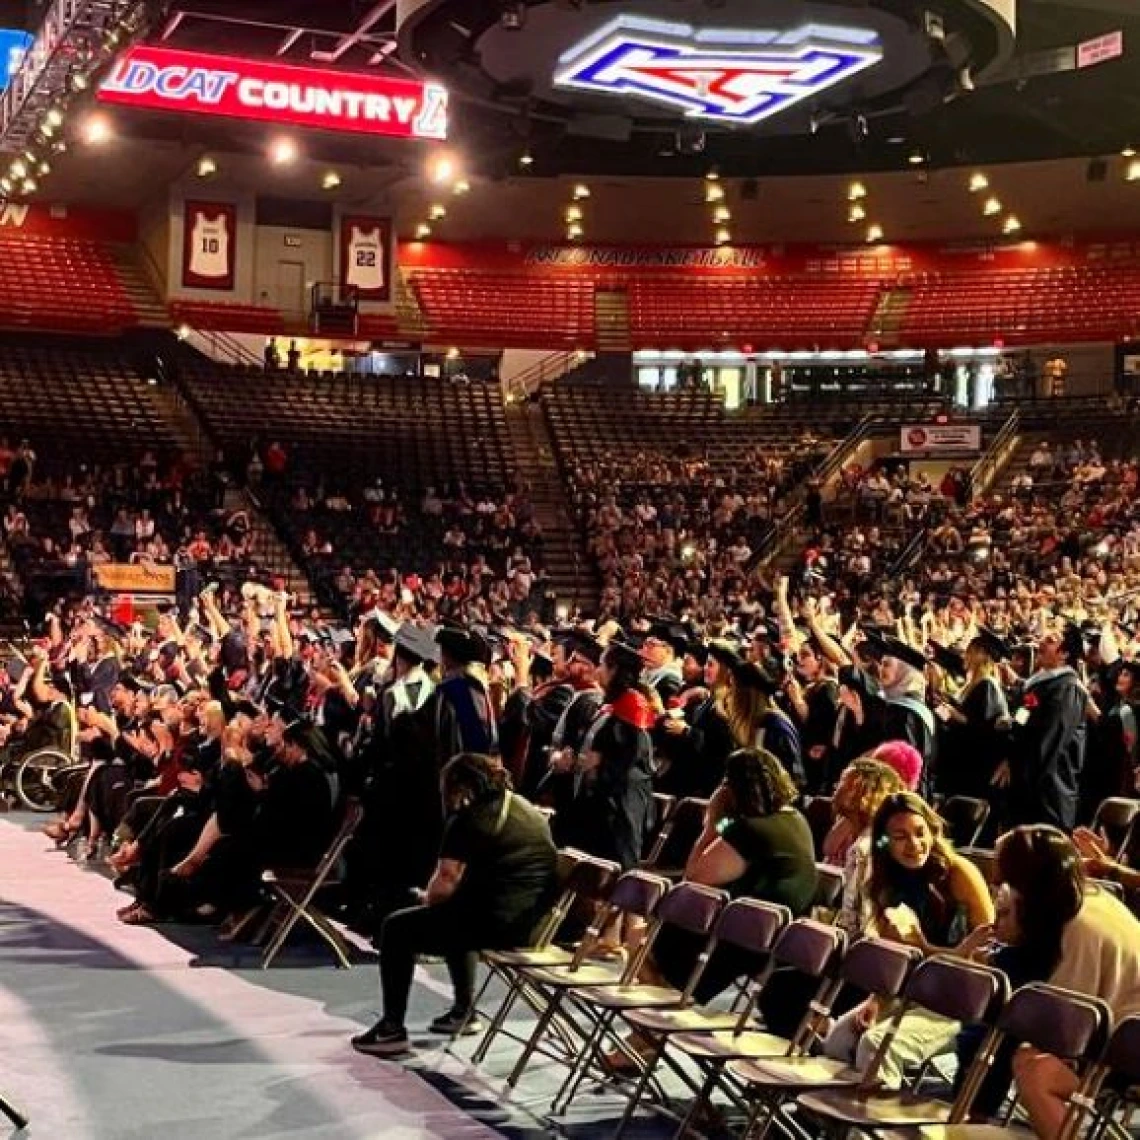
550 367
997 455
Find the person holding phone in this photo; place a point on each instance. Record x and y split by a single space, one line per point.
924 894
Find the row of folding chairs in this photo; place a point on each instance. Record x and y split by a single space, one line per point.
582 1005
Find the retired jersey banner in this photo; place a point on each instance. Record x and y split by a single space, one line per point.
135 578
928 438
163 79
366 257
209 245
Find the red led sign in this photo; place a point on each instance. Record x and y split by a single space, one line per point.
162 79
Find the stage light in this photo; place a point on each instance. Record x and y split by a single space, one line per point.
330 181
97 130
283 152
856 191
714 193
573 213
462 186
437 212
443 168
581 191
1133 172
723 237
207 167
992 206
857 213
1011 225
423 230
978 182
722 214
875 233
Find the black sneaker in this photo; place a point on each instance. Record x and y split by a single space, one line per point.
382 1040
456 1023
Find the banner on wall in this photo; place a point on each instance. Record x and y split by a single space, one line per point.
366 257
135 578
209 245
29 219
928 438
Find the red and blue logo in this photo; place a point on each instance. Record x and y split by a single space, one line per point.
731 76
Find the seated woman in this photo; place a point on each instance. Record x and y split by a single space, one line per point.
924 894
1097 940
755 844
495 878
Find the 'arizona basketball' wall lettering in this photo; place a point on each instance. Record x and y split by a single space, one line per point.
209 246
365 256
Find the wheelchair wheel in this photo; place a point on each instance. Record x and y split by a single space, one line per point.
39 778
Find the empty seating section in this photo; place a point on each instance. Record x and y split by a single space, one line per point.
62 283
1023 306
229 317
524 308
686 311
78 404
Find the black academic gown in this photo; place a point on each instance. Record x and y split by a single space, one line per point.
816 731
969 753
911 720
694 760
1049 749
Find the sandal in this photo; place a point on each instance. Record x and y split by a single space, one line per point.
137 915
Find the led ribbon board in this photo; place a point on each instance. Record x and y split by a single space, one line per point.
162 79
732 76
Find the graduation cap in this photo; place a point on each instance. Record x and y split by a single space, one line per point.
767 628
949 659
900 651
338 637
383 625
111 629
1073 641
671 633
993 646
751 676
725 653
581 643
1027 650
417 643
860 681
874 644
623 655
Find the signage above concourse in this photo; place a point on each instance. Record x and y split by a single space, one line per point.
732 76
163 79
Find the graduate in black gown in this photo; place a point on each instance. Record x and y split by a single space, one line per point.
1050 734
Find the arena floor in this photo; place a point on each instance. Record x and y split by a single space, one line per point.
109 1031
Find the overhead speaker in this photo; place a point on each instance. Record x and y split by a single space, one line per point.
1097 170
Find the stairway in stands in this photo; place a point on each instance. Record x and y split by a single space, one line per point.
611 319
890 312
149 308
572 577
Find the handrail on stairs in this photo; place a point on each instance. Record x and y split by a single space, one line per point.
550 367
834 462
995 457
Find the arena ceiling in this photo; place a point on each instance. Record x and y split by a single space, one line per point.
504 102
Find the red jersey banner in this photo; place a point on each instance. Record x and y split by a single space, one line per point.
365 257
162 79
209 245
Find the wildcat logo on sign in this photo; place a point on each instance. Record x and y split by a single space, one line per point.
732 76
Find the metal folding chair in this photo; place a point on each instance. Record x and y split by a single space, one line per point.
828 891
689 907
584 878
965 818
295 890
676 838
961 991
745 924
636 894
1115 1089
1115 819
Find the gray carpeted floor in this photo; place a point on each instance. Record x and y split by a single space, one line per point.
124 1033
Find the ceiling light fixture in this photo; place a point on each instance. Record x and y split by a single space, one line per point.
1128 152
97 130
207 167
856 191
978 182
857 213
574 231
992 207
723 237
722 214
443 168
917 158
462 186
526 159
330 181
437 212
573 213
714 193
1011 225
283 152
875 233
581 191
423 230
1133 172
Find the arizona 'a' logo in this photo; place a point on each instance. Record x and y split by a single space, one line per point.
735 76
